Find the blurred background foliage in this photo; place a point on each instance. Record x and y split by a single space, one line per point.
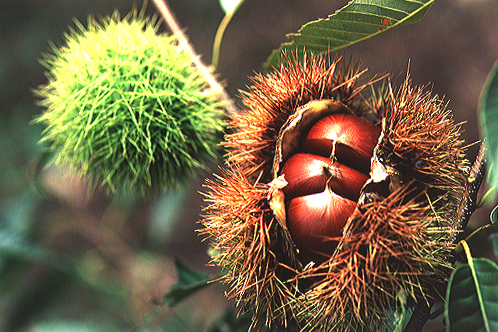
71 261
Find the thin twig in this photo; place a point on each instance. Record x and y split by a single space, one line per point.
173 25
469 201
218 37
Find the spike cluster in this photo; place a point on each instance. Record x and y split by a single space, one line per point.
245 232
127 107
394 237
421 141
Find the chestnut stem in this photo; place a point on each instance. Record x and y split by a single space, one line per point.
173 25
469 201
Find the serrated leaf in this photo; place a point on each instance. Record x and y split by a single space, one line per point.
488 116
230 6
189 282
357 21
472 297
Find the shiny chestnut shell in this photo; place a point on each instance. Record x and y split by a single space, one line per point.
324 182
354 139
316 221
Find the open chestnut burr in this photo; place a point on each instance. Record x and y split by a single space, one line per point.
335 199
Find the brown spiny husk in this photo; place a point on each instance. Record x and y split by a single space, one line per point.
421 141
245 239
397 241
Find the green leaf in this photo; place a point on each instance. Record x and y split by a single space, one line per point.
472 297
189 282
357 21
488 116
230 6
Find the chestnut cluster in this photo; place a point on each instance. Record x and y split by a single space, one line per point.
324 179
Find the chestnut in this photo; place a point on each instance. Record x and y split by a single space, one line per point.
349 138
313 220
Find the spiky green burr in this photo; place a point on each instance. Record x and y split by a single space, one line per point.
126 107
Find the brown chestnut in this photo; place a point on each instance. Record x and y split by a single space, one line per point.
313 220
354 139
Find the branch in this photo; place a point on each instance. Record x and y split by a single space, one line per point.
468 204
170 20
